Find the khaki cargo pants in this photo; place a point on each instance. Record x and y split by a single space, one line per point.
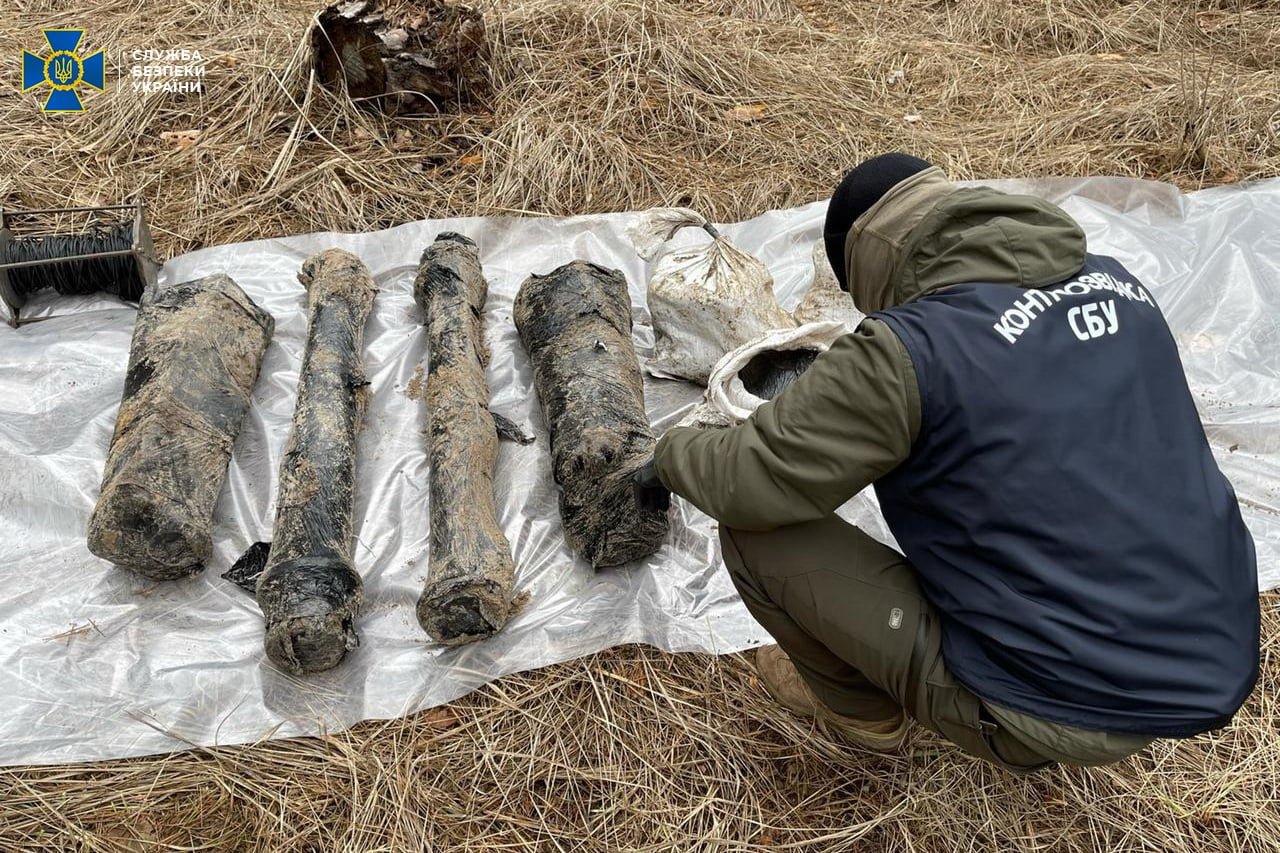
850 614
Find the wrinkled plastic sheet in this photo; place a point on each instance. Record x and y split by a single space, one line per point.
97 663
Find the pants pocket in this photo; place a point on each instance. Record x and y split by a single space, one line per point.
952 712
1009 752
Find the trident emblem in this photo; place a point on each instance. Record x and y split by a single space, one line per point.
64 70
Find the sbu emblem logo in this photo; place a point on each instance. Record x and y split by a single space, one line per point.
64 70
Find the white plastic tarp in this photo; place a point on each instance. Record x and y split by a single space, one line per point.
97 663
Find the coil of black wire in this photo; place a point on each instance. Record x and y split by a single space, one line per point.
115 274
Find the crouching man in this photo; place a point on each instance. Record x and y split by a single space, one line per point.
1076 579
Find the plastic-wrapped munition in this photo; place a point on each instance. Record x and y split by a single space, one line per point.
195 355
575 323
309 591
468 591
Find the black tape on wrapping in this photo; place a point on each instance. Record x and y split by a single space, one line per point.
307 586
462 606
245 571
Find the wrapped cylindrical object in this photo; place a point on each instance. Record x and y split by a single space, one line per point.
575 323
309 591
196 351
468 591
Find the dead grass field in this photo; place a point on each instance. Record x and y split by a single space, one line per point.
616 105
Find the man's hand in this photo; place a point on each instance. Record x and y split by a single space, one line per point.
648 489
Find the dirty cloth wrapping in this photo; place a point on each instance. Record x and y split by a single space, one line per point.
98 663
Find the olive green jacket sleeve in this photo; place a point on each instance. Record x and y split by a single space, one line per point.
850 419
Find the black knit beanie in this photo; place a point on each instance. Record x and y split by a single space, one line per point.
861 188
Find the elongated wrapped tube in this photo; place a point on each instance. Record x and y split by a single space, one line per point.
196 351
468 591
309 591
575 324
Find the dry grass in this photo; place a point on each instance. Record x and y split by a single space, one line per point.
626 104
633 749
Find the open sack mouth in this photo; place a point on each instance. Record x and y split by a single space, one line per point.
770 371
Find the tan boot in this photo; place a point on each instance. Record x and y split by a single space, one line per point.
784 683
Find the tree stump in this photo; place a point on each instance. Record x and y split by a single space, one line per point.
430 57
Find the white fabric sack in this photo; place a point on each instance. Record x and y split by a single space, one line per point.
824 300
824 313
704 300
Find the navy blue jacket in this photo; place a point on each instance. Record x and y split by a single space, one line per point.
1064 511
